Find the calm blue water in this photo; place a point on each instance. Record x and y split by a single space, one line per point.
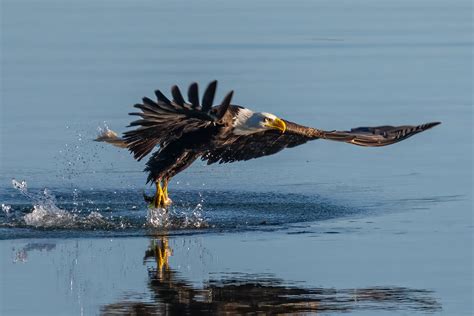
322 228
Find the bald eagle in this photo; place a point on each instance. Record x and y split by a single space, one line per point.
185 131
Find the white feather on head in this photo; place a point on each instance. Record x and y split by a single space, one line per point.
248 122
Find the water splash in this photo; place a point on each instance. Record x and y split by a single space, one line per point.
91 214
176 218
103 130
122 212
6 209
46 213
196 219
48 217
20 186
77 159
158 218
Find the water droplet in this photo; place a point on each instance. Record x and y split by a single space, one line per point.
6 208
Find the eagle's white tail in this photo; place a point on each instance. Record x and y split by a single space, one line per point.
109 136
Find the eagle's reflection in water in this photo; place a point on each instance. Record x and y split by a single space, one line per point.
263 294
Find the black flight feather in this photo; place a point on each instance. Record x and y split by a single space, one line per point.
150 102
161 97
224 105
193 95
177 96
208 97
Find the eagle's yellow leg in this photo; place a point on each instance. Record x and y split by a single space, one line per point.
167 200
159 199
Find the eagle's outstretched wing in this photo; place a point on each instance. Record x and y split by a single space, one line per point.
377 136
259 144
163 121
266 143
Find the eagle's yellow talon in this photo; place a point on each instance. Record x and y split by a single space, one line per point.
159 200
166 200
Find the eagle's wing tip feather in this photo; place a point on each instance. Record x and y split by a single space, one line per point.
161 97
432 124
208 97
224 106
193 94
177 96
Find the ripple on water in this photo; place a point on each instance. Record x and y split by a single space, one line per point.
41 213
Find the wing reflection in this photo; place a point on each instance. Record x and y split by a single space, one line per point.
239 293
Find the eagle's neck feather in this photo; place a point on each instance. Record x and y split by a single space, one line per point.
246 122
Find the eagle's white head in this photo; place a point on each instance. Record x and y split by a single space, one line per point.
247 122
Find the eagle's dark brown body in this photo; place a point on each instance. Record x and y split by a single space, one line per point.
185 131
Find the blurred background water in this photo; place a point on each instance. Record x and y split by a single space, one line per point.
336 227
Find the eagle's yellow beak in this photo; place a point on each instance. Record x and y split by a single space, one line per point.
278 124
